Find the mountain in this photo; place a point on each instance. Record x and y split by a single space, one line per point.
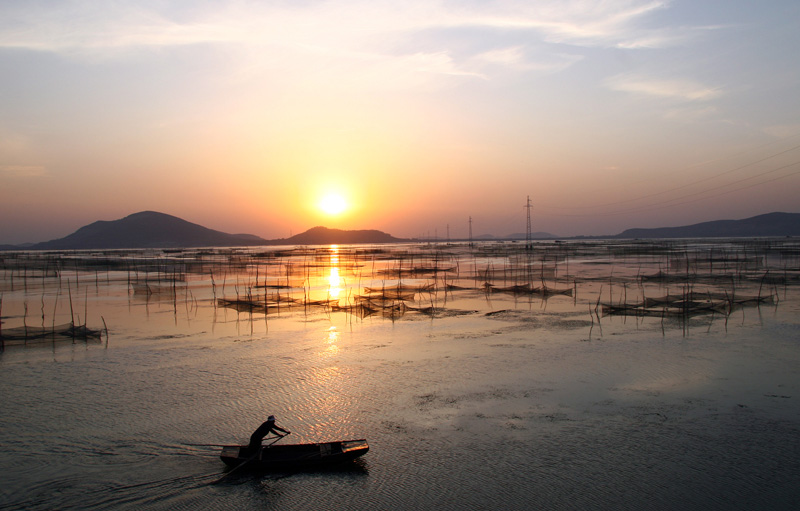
147 229
771 224
150 229
326 236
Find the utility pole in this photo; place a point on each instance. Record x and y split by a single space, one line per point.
528 244
470 231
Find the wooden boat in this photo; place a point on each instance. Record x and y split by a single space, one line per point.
292 456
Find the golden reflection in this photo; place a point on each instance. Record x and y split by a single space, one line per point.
334 281
332 340
327 386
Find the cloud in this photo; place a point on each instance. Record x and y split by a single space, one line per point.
82 26
359 44
89 27
16 147
22 171
582 23
691 114
419 71
783 130
112 24
518 58
685 90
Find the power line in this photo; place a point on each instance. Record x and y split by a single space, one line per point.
722 193
667 204
709 178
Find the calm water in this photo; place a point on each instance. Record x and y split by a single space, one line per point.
471 398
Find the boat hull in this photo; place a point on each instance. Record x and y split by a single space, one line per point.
292 456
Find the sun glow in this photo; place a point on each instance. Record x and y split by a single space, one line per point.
332 204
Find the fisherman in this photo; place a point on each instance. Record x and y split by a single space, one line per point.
264 430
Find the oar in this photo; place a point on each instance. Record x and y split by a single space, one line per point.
223 445
245 462
279 437
237 467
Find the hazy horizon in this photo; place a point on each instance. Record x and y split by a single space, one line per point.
244 117
422 236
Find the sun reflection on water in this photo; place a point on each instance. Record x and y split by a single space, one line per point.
334 280
331 342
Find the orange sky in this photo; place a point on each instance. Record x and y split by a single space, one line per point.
239 117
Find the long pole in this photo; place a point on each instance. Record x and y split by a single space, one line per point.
245 462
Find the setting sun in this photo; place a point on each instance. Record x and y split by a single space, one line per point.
332 204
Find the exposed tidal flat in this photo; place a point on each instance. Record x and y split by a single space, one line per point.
575 375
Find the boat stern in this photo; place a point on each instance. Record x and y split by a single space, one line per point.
231 454
355 447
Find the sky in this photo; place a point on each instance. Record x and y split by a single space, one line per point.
272 117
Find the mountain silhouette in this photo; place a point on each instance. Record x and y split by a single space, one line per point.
770 224
150 229
326 236
147 229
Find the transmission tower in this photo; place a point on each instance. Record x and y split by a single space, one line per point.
528 244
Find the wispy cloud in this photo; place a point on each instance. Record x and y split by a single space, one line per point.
358 44
783 130
336 26
22 171
16 148
518 58
692 113
81 26
581 23
686 90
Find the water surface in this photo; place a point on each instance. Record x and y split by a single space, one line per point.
471 396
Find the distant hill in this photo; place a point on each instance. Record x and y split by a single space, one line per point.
150 229
769 225
147 229
326 236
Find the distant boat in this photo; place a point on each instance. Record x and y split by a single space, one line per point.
277 457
